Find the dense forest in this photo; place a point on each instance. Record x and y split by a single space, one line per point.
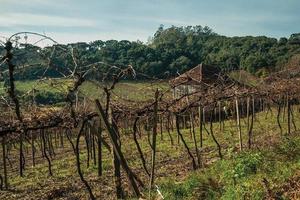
169 52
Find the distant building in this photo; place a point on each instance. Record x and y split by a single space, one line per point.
200 77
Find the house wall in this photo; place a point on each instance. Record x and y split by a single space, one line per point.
182 90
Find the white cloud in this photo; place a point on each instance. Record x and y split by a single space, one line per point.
27 19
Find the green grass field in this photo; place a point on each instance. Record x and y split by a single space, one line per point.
56 90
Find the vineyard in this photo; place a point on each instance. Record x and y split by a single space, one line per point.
110 139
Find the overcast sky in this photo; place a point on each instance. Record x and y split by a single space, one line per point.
87 20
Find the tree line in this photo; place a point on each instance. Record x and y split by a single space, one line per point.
169 52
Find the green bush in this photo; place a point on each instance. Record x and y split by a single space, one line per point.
201 187
46 97
246 164
242 192
289 148
241 165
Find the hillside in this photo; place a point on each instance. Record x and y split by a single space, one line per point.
170 51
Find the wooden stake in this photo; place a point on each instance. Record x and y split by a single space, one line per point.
200 126
195 140
117 150
288 114
4 162
154 142
238 123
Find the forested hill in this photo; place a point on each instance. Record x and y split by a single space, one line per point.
170 51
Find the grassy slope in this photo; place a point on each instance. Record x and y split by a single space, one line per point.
238 176
272 165
126 90
245 77
136 91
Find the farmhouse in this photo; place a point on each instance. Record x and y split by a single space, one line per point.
200 77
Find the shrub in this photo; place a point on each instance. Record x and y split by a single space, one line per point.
246 164
46 97
289 148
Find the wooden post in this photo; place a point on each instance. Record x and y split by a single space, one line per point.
153 145
190 126
293 118
55 137
87 143
138 145
117 149
195 140
21 154
288 114
4 161
248 113
76 101
284 108
278 117
32 149
177 121
238 123
251 125
99 149
116 161
220 116
203 118
161 127
61 139
94 148
168 128
200 126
